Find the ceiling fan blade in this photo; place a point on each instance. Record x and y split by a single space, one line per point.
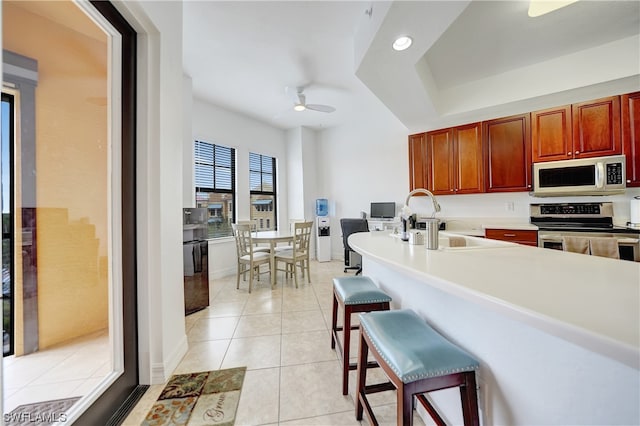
321 108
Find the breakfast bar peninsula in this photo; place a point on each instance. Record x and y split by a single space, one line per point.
557 334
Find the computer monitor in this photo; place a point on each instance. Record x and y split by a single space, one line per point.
385 210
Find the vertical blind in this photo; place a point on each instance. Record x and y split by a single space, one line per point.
214 167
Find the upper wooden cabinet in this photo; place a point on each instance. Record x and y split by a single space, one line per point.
454 163
596 128
582 130
507 153
551 137
630 113
417 161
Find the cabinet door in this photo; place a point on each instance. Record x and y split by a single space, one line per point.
417 161
631 136
596 128
467 159
521 236
507 153
440 165
551 134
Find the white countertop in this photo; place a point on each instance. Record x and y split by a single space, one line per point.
591 301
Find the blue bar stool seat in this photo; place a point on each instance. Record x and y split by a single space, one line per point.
354 294
417 359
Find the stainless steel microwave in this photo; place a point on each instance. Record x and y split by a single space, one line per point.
585 176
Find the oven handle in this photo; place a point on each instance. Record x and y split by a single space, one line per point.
558 238
599 174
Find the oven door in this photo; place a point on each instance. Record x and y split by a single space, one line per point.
628 244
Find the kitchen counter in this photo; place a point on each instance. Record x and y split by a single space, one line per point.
528 314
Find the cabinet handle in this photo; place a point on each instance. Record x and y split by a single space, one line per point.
509 235
451 190
628 180
577 152
568 154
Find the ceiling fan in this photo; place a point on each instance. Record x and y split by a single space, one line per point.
300 101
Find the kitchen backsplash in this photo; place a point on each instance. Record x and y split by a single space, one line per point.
513 205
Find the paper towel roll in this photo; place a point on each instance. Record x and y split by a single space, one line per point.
635 211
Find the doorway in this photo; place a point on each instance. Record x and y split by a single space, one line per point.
74 183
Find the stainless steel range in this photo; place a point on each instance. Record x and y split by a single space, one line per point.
586 220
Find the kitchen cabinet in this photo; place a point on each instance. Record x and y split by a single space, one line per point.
551 134
596 128
528 237
417 161
581 130
507 153
454 160
630 113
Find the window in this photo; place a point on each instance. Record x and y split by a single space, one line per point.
215 168
262 185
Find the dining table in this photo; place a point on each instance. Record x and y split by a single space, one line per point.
273 238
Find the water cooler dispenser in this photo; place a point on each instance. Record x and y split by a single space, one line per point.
323 237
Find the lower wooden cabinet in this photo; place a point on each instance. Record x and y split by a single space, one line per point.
527 237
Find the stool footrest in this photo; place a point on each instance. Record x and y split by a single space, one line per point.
379 387
370 364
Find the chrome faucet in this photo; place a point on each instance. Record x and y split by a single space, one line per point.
436 206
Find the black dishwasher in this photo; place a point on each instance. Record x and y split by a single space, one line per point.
195 252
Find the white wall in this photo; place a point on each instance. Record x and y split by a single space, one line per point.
214 124
363 161
162 339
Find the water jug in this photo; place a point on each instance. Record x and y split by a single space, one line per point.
322 207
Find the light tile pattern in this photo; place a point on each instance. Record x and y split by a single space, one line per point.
64 371
282 336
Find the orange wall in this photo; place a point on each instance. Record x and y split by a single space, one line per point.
71 164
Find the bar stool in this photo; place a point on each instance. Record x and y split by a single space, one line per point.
355 294
417 359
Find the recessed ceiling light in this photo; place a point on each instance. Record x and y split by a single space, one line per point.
402 43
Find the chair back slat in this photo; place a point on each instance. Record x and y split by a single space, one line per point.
244 245
302 238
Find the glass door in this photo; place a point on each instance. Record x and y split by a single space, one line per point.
6 201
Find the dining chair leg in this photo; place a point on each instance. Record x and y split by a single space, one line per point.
295 273
238 277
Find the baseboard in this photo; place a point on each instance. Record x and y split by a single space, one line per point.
160 372
222 273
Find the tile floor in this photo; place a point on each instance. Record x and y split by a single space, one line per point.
282 337
66 370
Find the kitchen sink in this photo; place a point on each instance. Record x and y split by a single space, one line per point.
454 242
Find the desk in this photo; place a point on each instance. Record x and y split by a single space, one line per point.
273 238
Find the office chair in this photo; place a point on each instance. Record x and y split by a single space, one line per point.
351 226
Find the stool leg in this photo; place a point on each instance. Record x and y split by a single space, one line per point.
346 344
334 321
363 353
469 399
404 406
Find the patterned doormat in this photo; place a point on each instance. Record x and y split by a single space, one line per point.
198 399
40 413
